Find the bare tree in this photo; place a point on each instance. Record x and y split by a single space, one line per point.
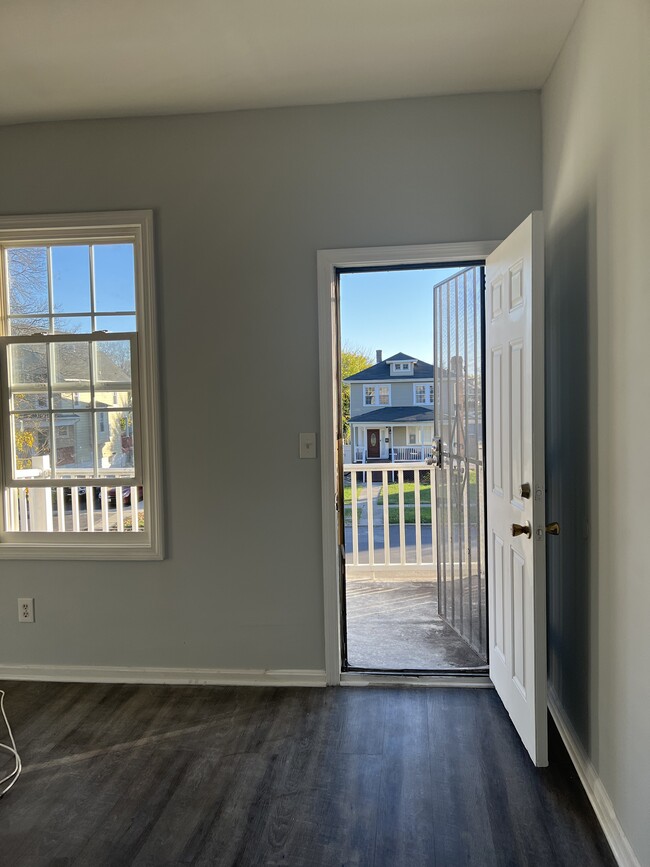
28 295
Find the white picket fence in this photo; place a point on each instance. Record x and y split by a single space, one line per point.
371 544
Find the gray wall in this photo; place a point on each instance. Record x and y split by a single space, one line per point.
242 202
596 118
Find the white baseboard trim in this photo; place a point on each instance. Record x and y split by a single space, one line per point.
593 786
186 676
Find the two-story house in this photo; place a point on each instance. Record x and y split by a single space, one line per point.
391 410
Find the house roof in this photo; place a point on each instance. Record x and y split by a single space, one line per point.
381 371
406 414
400 356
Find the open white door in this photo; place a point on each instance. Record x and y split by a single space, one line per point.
516 535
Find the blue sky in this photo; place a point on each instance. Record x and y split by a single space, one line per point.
390 310
114 280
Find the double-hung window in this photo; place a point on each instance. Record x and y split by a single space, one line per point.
79 416
376 395
424 393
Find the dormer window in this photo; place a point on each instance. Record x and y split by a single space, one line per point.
401 368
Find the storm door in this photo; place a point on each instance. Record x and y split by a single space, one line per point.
458 455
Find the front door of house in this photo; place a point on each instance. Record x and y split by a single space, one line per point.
373 443
516 536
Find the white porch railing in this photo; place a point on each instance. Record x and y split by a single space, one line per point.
71 508
383 535
411 453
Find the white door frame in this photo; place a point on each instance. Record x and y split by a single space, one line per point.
329 262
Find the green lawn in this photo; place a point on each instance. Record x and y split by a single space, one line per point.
347 515
347 493
409 515
409 494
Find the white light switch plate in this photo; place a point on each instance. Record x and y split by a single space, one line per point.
307 445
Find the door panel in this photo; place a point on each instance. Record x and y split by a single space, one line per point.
458 448
515 481
373 444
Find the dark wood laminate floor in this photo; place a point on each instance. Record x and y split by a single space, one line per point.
162 775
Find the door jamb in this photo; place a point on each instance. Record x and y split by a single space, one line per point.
329 263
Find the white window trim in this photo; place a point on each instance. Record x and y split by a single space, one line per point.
376 386
328 264
427 394
119 226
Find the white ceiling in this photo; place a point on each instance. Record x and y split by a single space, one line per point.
106 58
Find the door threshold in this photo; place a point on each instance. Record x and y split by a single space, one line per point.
369 678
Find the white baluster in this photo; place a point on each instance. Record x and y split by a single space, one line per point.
402 527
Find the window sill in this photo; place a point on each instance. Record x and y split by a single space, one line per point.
81 549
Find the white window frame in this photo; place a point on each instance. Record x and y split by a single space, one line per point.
135 227
428 393
376 389
374 395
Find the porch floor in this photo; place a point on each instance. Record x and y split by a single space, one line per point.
395 625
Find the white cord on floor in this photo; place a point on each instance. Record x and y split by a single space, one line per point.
11 778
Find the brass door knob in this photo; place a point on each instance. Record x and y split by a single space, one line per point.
553 529
521 530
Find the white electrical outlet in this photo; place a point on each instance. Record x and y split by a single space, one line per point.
26 610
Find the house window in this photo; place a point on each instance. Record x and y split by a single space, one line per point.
424 393
79 412
369 395
384 395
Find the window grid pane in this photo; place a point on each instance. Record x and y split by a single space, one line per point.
65 439
54 288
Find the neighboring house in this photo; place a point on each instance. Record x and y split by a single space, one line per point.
391 410
73 404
